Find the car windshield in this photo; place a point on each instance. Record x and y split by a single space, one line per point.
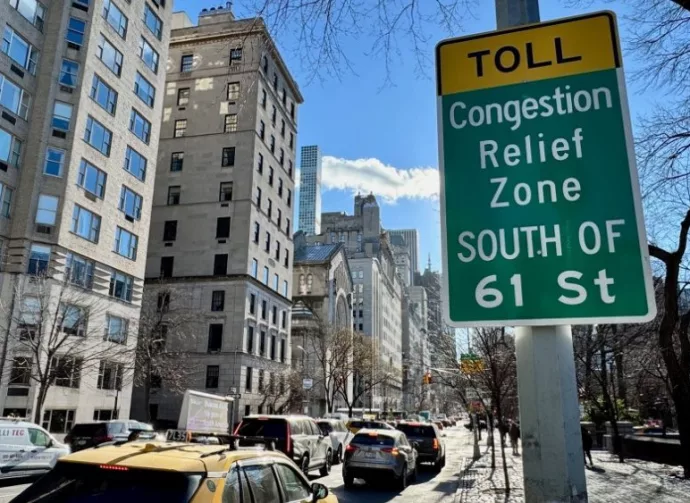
414 430
373 439
258 427
79 483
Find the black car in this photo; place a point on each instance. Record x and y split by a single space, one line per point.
86 435
298 437
430 445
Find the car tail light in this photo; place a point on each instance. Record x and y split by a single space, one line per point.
390 450
436 444
114 468
288 440
351 448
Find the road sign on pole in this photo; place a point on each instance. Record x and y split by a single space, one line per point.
542 221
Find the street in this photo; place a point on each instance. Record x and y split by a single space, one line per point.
429 488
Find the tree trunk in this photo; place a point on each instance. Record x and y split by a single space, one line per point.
620 379
491 440
499 413
40 400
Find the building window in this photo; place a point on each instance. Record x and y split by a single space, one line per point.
267 243
110 375
260 166
220 264
55 160
176 161
39 258
170 230
273 144
187 63
282 128
275 81
276 282
274 315
107 414
274 112
110 56
103 94
126 243
46 213
166 271
264 309
265 277
279 218
289 198
260 387
287 258
183 97
292 141
258 197
277 255
91 179
67 371
252 303
10 147
215 337
263 98
68 73
235 55
292 110
281 157
121 286
262 343
262 129
280 187
222 227
98 136
212 376
32 11
233 91
135 163
228 157
264 63
79 270
21 371
58 420
140 126
283 319
14 98
272 354
230 123
115 18
248 382
19 50
255 268
144 90
270 175
86 224
285 288
73 320
153 22
148 55
116 329
269 209
250 340
130 203
174 195
218 300
180 128
283 96
225 193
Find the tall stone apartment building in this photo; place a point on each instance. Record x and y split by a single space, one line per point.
81 95
222 219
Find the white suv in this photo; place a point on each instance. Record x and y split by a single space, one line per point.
27 450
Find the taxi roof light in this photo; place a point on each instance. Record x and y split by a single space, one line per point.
114 468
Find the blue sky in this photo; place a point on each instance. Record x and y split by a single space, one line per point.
382 136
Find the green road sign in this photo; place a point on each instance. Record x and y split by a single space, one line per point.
541 215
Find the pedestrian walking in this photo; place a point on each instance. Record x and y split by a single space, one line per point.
587 445
514 434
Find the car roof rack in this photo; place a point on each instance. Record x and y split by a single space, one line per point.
268 442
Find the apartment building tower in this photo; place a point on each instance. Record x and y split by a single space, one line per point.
221 231
310 190
412 243
81 94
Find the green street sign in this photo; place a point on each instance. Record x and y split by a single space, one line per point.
541 216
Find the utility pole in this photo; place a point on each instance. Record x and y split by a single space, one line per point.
553 468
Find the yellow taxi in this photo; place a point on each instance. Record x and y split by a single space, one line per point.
354 425
175 472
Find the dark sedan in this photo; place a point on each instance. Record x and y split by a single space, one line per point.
430 445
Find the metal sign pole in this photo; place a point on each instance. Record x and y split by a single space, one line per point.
553 467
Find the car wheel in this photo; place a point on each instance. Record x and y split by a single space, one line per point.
402 481
443 461
349 481
326 468
338 455
304 465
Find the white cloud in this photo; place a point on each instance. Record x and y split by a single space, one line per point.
371 175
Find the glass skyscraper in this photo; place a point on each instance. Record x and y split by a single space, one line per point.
310 190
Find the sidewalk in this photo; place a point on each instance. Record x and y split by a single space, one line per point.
634 481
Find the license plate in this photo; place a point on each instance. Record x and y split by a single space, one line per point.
81 442
369 454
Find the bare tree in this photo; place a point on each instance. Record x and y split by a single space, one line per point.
281 391
168 333
57 332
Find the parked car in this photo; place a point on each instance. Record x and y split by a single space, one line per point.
430 445
299 437
339 435
373 454
86 435
175 472
439 424
354 425
27 450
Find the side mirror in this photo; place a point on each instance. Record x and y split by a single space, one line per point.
319 491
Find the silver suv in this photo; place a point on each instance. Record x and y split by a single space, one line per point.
372 454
